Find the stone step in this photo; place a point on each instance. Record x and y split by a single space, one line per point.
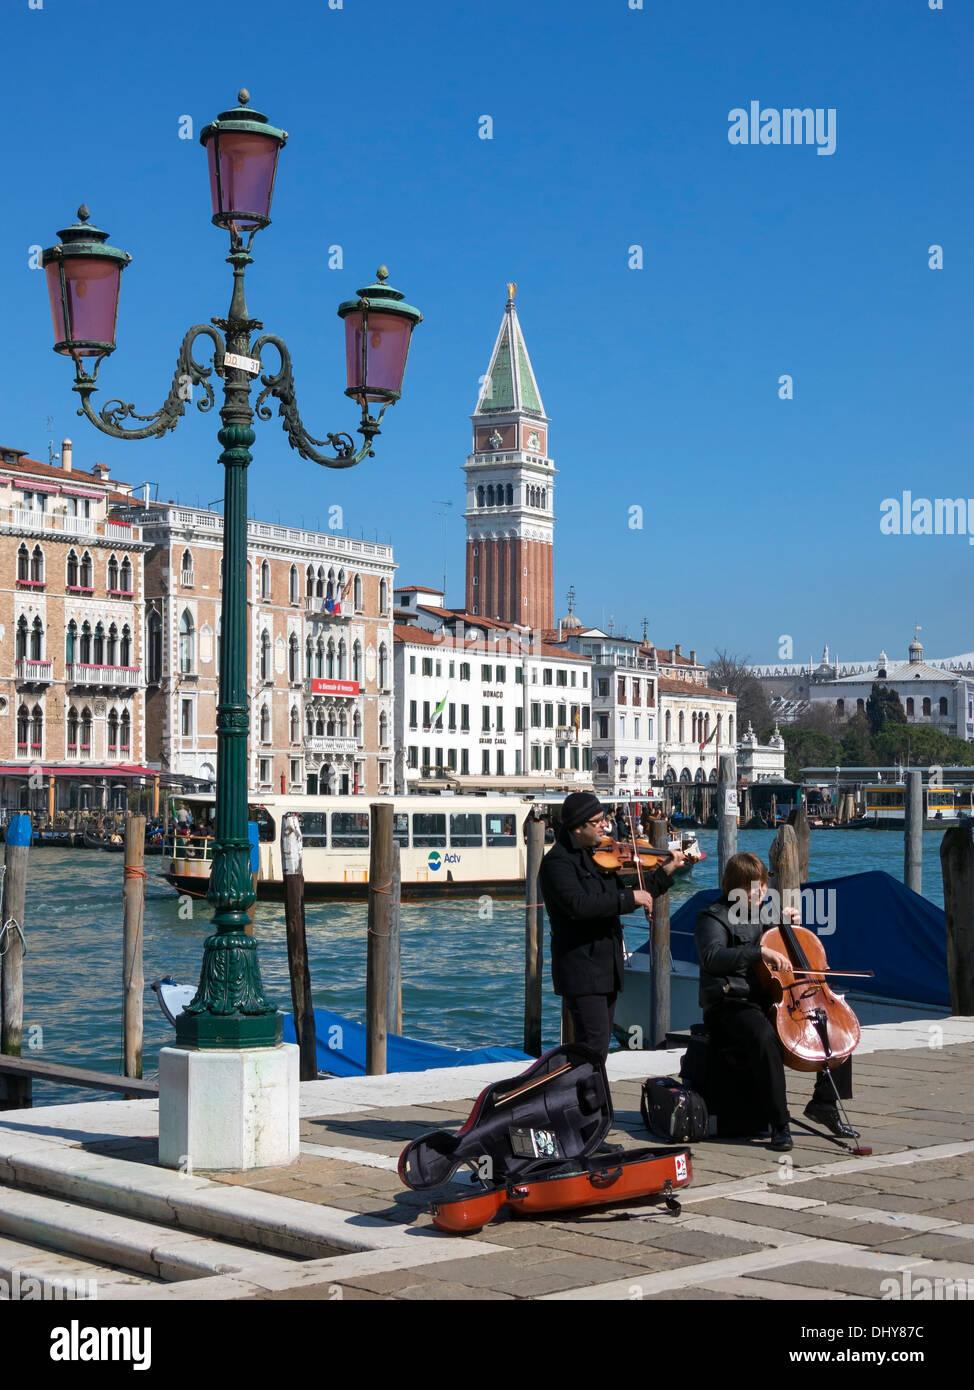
118 1241
30 1272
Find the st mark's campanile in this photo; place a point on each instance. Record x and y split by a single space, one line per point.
510 489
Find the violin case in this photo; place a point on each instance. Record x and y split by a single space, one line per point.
534 1144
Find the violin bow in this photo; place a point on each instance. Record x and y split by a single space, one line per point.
638 861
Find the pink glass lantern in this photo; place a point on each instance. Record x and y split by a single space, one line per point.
378 331
242 149
83 283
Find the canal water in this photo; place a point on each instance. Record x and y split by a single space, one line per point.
463 973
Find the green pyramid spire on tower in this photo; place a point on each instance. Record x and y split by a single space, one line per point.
510 383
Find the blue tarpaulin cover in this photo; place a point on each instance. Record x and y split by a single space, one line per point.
880 925
341 1049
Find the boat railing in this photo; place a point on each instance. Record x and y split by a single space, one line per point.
189 846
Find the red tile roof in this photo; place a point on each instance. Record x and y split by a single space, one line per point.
667 686
415 589
50 470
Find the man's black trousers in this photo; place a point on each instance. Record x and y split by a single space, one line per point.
592 1016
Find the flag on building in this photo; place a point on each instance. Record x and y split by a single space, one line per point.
438 712
710 739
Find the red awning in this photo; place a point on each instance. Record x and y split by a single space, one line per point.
78 770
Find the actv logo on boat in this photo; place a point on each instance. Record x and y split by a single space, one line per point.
922 516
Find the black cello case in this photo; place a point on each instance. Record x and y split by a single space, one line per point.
534 1143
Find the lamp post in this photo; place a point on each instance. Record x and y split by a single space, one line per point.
84 279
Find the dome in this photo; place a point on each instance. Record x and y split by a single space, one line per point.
569 621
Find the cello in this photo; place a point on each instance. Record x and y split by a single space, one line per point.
816 1028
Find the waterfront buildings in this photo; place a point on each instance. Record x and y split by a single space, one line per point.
319 644
757 762
72 683
935 694
484 705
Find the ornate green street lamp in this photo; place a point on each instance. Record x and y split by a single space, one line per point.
84 280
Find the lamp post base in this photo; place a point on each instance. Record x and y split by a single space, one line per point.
228 1108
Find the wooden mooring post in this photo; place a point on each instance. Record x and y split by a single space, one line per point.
660 964
798 820
133 916
394 1005
726 811
783 862
381 884
297 947
957 863
15 1091
913 832
534 827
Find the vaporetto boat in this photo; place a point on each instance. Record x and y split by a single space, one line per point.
449 846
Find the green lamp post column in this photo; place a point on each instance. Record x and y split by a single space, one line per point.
229 1009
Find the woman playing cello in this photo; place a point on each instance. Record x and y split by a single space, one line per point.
735 1009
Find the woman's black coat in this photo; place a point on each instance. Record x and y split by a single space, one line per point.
584 906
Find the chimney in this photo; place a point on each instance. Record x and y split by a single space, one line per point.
559 629
145 494
66 455
676 650
693 655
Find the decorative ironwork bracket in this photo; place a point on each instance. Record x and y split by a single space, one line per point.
281 385
189 373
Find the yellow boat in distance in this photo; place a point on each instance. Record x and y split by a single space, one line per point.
449 846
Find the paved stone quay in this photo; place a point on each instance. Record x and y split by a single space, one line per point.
81 1197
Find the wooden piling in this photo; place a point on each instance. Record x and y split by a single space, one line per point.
133 915
726 811
394 1006
783 863
377 968
957 863
15 1091
534 827
913 832
297 947
798 820
660 964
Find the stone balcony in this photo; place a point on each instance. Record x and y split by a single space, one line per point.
112 677
27 671
325 743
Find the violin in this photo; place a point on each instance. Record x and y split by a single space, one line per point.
816 1028
613 855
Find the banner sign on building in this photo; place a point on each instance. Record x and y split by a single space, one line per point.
321 686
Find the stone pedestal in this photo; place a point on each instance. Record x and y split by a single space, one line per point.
233 1108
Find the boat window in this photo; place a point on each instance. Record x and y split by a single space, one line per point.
400 829
501 829
467 830
349 830
266 825
314 829
429 830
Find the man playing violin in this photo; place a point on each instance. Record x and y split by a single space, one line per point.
735 1011
584 907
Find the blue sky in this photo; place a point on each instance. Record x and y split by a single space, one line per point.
761 516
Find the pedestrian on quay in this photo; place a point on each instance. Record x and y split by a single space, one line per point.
584 907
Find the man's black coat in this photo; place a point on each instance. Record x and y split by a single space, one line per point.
584 906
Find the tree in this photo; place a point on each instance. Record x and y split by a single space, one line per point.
857 748
883 707
729 672
808 748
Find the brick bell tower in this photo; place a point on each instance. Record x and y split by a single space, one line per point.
510 489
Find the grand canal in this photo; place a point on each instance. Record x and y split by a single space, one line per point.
463 972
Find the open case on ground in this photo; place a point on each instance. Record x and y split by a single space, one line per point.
535 1144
